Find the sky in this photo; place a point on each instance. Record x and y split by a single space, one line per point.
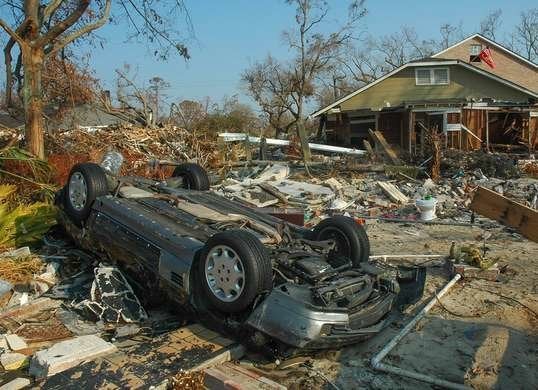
230 35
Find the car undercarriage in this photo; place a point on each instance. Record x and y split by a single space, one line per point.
240 270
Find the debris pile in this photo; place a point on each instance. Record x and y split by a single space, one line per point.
138 145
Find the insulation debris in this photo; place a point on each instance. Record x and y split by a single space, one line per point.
112 298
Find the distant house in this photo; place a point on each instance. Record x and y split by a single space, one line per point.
86 116
9 121
472 104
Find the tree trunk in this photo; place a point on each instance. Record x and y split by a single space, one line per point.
9 74
32 60
301 132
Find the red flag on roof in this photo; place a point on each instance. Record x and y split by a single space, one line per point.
485 55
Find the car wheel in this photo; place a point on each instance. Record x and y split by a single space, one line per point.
193 175
85 183
234 269
350 238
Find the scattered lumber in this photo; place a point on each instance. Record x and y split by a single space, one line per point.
393 192
508 212
234 376
380 140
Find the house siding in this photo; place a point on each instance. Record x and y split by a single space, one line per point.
507 66
400 87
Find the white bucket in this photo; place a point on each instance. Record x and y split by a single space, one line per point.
427 208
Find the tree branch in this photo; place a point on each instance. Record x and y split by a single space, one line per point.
51 8
82 31
11 33
62 26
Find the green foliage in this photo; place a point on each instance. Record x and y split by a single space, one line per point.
23 224
19 166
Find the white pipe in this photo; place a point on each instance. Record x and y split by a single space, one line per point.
421 377
376 360
406 256
231 137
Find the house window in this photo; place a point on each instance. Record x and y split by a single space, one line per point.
432 76
474 52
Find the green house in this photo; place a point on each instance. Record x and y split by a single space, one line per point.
471 106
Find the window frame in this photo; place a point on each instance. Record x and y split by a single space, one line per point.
432 79
479 45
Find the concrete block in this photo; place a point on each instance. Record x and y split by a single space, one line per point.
15 342
67 354
16 384
13 360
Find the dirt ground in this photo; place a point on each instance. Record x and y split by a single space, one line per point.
487 341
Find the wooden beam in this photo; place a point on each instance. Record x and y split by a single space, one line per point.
380 140
495 206
487 131
393 192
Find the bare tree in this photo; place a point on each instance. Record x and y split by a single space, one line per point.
491 24
266 84
314 52
41 29
450 34
133 98
157 86
525 35
374 57
188 113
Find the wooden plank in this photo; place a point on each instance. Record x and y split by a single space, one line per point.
381 141
393 192
233 376
495 206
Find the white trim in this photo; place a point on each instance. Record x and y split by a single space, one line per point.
425 63
432 76
490 42
359 121
453 127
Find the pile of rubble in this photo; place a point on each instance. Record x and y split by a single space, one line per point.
55 304
136 144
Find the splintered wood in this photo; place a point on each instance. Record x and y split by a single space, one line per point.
380 140
495 206
392 192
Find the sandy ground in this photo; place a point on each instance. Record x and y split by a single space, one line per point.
492 342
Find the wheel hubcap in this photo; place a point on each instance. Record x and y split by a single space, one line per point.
224 273
78 191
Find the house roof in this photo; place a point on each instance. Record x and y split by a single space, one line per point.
420 63
491 43
88 115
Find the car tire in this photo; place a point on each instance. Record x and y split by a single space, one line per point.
351 239
193 175
85 183
234 268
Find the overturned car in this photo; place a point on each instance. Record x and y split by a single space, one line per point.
256 276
